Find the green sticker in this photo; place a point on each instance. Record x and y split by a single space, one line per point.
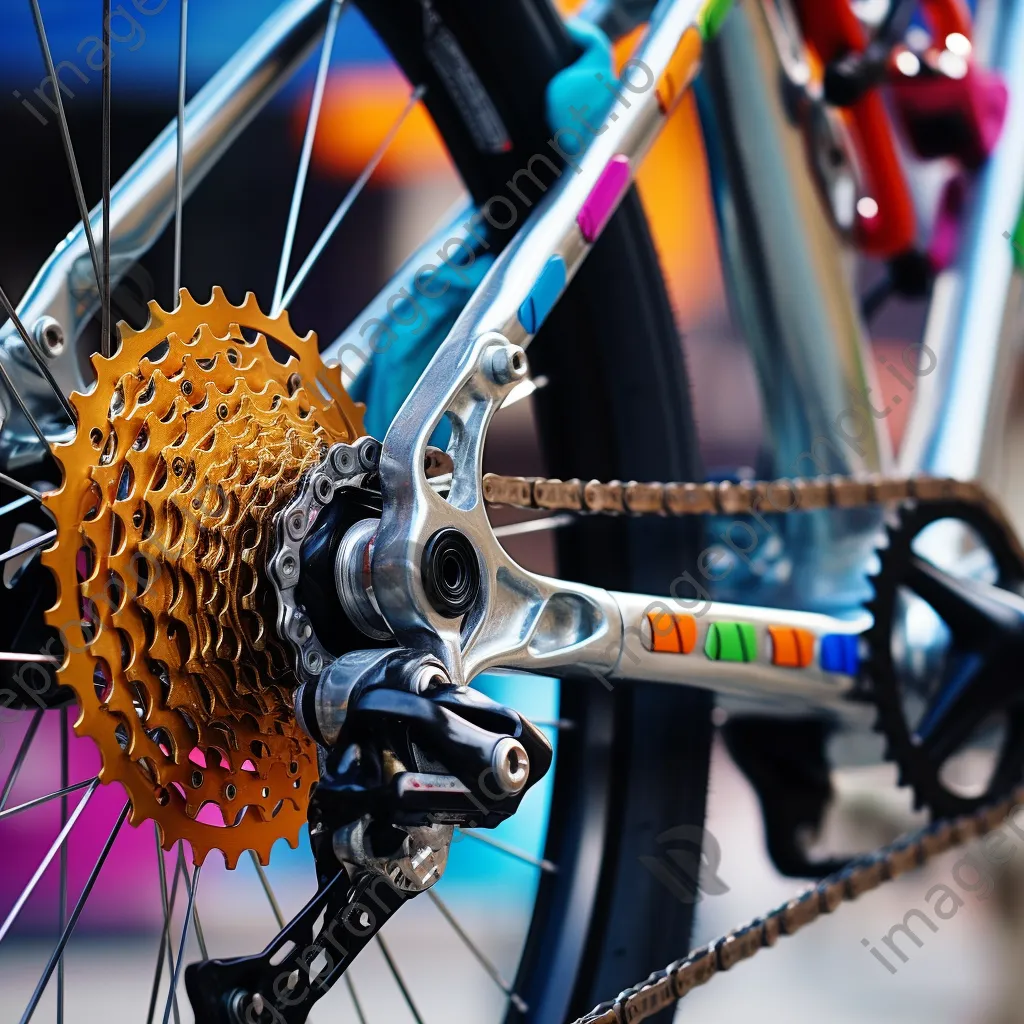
711 16
731 641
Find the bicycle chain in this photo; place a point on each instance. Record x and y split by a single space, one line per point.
666 987
744 497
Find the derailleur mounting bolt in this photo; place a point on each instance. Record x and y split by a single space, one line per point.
506 363
49 336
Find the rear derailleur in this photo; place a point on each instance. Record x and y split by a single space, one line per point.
406 757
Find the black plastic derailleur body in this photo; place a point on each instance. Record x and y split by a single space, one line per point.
408 748
407 756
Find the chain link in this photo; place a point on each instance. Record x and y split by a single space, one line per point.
665 987
742 497
756 497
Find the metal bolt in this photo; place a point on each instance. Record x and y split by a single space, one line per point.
323 488
178 466
369 454
343 458
186 387
313 661
49 336
505 363
288 566
511 765
429 677
297 525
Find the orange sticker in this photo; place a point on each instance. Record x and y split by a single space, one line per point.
791 647
687 627
680 71
664 636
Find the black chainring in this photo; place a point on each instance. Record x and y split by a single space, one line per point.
917 768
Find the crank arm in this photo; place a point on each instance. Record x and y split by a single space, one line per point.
255 990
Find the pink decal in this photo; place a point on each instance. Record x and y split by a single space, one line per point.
607 191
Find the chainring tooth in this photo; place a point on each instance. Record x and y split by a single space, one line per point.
197 431
915 769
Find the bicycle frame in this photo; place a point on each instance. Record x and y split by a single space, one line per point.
529 622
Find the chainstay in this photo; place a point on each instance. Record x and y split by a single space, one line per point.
666 987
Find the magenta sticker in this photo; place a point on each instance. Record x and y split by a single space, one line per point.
607 191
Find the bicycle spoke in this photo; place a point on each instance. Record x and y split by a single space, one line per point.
165 935
276 908
29 418
57 844
30 492
534 526
57 956
484 961
42 659
37 356
350 198
554 723
265 882
13 506
406 994
62 896
200 938
106 342
524 389
312 120
65 134
355 999
19 759
192 889
179 166
544 865
37 801
29 545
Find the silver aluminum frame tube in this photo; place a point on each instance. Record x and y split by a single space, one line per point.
974 324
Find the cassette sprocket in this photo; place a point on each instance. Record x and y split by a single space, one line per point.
197 431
